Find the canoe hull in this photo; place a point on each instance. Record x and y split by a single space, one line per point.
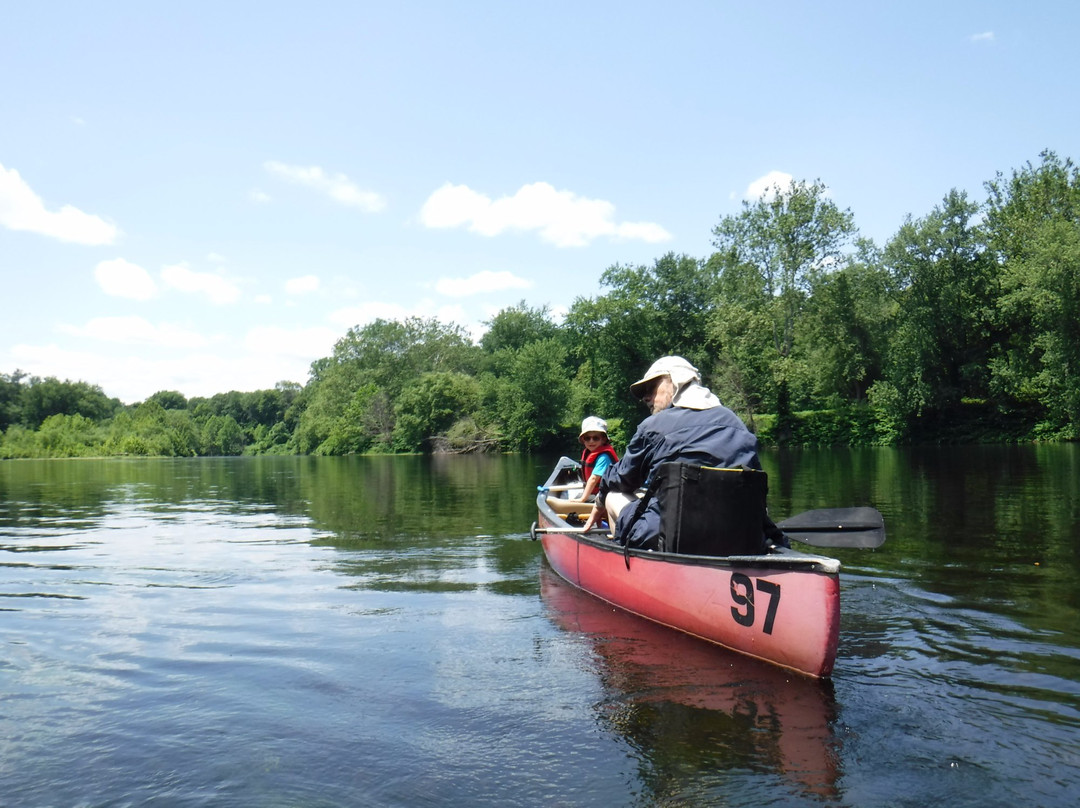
782 607
787 614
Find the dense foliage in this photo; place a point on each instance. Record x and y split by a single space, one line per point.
965 326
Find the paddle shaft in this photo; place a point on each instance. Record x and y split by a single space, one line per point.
570 530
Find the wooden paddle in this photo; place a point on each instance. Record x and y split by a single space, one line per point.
837 527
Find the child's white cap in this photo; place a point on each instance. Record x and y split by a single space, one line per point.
592 424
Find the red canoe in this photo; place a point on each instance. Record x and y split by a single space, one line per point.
783 607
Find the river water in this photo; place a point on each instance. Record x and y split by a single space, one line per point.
382 632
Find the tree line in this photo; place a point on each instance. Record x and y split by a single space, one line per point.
964 326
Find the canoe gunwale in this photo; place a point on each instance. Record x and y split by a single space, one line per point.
779 558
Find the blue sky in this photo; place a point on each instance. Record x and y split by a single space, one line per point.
205 196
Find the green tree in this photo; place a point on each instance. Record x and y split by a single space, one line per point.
780 246
358 426
1034 225
50 396
387 355
847 325
743 368
270 440
770 258
18 441
222 435
149 429
184 439
516 326
430 405
647 313
390 353
142 431
945 291
68 436
11 390
170 399
533 396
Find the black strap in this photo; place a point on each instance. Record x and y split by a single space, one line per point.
639 511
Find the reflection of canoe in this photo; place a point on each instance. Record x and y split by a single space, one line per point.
698 698
783 607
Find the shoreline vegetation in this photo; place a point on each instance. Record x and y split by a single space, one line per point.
963 328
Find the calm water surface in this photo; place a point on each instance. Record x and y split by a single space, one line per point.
381 632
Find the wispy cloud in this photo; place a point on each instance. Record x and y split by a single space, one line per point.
135 330
299 343
121 278
142 371
374 310
217 289
22 209
302 285
480 283
768 186
985 36
560 217
337 186
765 188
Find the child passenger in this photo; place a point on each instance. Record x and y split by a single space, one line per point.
597 456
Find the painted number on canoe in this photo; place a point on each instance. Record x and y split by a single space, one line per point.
745 610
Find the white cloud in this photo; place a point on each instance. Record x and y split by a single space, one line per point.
561 217
121 278
338 187
648 232
218 289
373 310
134 330
22 209
985 36
480 283
259 196
132 377
454 314
766 187
302 285
367 312
307 344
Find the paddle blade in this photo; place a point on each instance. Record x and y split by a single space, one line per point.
837 527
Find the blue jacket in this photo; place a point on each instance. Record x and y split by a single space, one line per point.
713 437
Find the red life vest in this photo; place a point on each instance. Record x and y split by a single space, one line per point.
588 461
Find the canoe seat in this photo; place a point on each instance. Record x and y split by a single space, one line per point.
711 511
566 506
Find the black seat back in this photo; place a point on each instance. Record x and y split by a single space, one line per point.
711 511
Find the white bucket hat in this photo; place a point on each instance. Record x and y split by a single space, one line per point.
689 392
680 371
592 424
